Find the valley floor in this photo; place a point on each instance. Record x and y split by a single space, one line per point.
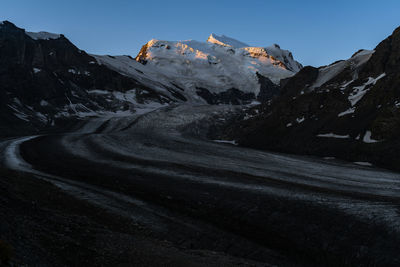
151 190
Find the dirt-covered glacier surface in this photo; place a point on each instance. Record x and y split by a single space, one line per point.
151 189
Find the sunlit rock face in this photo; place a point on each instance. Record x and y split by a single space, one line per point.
218 65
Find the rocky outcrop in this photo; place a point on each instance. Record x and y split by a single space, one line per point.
349 109
142 55
268 89
43 81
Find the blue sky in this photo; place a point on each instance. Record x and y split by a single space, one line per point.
317 32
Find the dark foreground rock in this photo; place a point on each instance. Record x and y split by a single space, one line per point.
42 226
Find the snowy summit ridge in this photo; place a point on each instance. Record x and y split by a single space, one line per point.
225 41
219 64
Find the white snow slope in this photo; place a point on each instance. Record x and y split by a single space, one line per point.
217 65
225 41
327 73
43 35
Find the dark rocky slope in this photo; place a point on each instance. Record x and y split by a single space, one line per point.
350 110
47 81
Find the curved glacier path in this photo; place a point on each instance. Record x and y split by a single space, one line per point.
158 170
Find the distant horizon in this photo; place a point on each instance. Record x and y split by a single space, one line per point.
316 33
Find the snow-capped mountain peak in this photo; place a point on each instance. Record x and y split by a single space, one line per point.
218 65
43 35
284 56
225 41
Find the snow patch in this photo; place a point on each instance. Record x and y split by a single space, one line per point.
255 103
359 91
332 135
36 70
363 163
349 111
44 103
43 35
233 142
300 120
135 108
367 138
344 86
99 92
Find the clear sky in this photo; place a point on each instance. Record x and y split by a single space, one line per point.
317 32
